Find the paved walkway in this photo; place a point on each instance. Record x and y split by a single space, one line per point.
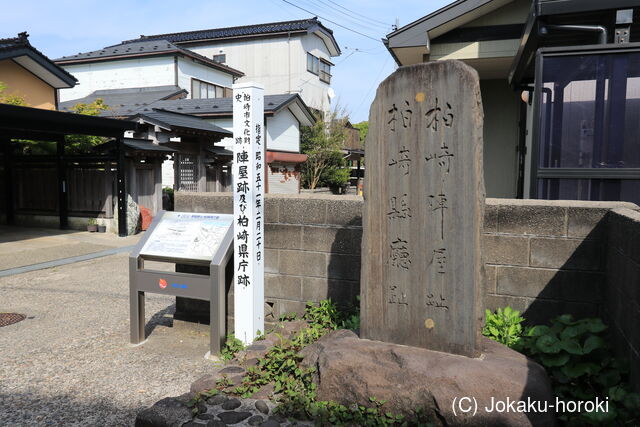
23 246
70 363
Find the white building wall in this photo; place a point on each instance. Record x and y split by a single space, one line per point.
280 64
188 69
135 72
283 132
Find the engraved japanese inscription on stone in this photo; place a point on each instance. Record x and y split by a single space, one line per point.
424 200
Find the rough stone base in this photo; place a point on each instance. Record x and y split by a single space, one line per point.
350 369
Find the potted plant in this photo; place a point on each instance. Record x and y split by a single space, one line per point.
92 225
102 228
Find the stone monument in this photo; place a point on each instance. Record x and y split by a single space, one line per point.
422 267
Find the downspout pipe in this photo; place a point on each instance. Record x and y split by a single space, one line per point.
602 39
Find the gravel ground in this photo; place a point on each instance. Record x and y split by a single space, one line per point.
70 362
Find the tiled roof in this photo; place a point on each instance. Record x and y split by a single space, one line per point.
242 31
181 120
142 48
20 46
210 106
116 98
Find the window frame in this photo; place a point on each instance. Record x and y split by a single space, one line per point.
538 173
325 76
315 64
208 87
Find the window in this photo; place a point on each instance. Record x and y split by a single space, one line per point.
201 90
325 71
587 140
313 64
221 58
319 67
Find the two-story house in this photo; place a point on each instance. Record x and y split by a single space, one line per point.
147 64
286 57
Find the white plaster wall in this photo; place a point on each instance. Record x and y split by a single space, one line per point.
283 132
280 64
188 69
135 72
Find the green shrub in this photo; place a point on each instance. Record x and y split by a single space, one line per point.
323 315
294 385
231 346
350 316
580 365
503 326
338 177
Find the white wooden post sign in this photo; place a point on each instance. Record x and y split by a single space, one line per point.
248 209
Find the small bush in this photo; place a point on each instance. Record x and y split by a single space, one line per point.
581 368
503 326
231 346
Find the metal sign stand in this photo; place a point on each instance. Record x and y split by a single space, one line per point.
207 288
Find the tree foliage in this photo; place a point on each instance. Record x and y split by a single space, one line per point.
84 143
323 143
363 128
10 99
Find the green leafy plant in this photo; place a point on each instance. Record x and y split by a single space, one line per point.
504 326
199 397
350 316
363 129
92 221
231 346
294 386
323 314
580 365
259 335
84 143
288 316
323 143
338 177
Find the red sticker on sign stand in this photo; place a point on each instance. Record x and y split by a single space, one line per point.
162 283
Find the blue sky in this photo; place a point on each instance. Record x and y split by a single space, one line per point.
65 27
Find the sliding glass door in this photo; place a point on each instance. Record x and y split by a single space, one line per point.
588 125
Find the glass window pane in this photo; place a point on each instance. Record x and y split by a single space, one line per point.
309 62
589 109
195 89
627 190
203 90
211 91
219 92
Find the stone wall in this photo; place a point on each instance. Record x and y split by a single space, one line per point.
546 258
622 293
312 246
543 258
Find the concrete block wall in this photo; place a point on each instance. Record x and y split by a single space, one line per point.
312 244
546 258
622 295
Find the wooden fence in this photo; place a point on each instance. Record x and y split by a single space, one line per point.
89 189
